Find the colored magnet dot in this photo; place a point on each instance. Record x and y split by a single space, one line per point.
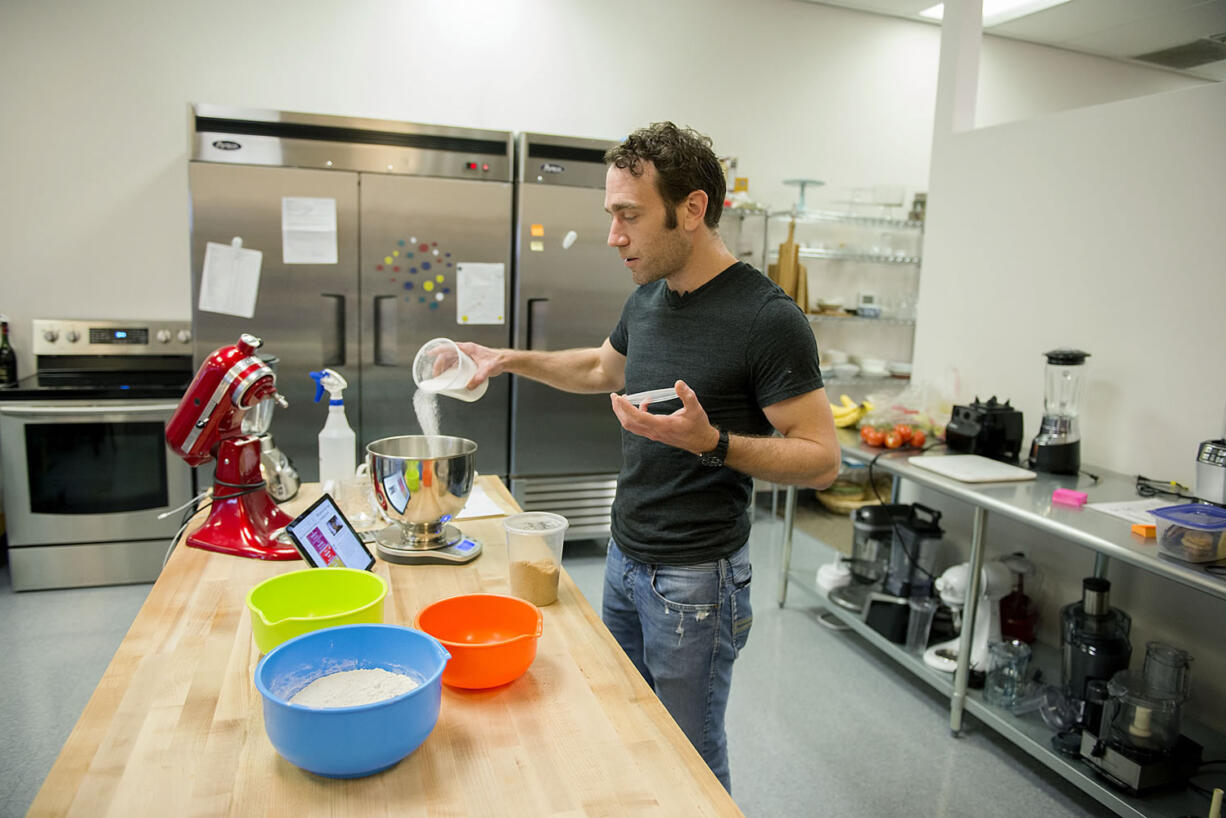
434 305
423 247
408 285
421 299
412 240
378 266
440 278
436 251
447 290
446 255
396 253
387 259
396 269
439 296
408 255
427 285
434 243
400 243
425 265
449 264
413 270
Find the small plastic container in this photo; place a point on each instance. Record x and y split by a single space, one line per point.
441 367
652 395
1192 532
534 554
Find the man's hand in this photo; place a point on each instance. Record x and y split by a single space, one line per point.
688 428
489 362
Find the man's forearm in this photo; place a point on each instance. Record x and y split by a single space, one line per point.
571 370
788 460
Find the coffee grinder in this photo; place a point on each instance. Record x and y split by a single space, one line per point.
913 551
1057 447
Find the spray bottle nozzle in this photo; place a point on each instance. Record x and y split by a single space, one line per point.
332 381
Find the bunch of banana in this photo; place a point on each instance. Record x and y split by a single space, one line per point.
848 412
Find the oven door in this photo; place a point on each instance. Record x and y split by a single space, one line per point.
89 472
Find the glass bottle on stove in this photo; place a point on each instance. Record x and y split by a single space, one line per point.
8 358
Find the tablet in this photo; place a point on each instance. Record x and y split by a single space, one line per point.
325 539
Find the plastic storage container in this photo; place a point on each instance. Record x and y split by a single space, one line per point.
1192 532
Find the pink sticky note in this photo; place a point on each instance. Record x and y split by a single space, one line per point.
1069 497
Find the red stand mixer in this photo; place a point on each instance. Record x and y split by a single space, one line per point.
207 425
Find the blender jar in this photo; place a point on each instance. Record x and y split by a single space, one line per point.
913 552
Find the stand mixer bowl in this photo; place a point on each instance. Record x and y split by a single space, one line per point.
420 482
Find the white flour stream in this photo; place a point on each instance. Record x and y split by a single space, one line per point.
425 404
350 688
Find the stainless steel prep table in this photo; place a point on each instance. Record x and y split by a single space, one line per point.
1028 502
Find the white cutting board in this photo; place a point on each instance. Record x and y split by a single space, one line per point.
971 468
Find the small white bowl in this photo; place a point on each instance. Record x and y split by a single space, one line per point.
830 303
836 356
845 370
899 368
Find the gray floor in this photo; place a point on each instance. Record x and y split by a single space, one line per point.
819 722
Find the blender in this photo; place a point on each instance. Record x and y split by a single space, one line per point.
1138 746
913 549
1057 447
873 532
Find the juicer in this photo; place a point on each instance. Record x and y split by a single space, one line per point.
1057 447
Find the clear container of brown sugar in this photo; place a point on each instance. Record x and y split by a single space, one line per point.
534 554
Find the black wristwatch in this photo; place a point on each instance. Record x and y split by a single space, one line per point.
715 457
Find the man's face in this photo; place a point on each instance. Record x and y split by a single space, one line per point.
639 230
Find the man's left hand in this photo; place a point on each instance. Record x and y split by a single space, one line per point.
688 428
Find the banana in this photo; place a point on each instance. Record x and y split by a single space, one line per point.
847 401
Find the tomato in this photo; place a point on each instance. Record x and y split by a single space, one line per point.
864 430
873 437
893 440
917 438
904 431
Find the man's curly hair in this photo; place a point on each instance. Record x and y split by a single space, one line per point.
684 162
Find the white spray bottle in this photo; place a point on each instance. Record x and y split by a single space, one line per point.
337 443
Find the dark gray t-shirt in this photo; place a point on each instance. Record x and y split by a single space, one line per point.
741 344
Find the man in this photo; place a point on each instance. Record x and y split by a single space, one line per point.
742 358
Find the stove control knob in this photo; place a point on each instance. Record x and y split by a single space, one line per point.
51 335
184 336
72 336
163 336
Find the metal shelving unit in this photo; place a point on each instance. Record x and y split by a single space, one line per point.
1107 537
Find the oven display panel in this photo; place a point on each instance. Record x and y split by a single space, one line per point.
118 335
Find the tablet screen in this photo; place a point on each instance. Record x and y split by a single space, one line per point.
326 539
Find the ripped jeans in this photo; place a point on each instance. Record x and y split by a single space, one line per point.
682 626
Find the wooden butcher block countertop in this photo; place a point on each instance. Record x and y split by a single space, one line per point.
175 727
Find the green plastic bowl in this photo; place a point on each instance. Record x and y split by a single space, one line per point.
292 604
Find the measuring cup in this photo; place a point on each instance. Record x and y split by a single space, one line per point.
442 368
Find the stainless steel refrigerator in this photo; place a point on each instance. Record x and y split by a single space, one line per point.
569 292
375 236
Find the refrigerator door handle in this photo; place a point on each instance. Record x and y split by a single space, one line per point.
337 354
380 358
538 315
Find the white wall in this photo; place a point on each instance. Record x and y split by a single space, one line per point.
1101 229
93 152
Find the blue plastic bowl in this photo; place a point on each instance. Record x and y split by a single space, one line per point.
350 742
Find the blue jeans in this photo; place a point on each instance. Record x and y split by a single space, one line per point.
682 626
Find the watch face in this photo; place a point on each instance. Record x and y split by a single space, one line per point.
711 460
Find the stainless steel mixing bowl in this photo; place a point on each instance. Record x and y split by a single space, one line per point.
420 483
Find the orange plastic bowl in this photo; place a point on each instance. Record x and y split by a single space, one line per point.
491 638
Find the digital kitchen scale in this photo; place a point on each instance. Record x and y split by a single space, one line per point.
466 549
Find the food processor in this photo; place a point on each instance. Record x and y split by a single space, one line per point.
872 535
1138 745
1057 447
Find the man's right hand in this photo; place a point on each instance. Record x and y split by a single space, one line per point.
489 362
